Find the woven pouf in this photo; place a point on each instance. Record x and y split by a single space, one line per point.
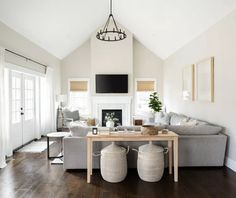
113 163
150 162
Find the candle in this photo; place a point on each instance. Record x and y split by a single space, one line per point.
94 131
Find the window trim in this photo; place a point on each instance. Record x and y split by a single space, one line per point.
135 91
89 92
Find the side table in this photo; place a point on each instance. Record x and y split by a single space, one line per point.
60 135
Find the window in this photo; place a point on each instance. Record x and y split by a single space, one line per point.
143 89
79 95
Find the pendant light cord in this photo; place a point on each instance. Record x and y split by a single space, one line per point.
110 7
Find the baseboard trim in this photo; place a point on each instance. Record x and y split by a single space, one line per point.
230 163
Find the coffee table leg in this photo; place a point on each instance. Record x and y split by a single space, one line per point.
176 159
170 153
91 157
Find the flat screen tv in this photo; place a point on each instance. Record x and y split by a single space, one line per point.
111 83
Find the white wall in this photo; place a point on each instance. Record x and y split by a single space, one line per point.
76 65
126 57
15 42
147 65
219 41
112 58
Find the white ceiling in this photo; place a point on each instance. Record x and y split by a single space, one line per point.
163 26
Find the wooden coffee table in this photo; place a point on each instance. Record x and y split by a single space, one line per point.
170 137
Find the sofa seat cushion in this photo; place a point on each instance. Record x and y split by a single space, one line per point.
177 119
195 130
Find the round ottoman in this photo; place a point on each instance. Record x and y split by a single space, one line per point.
150 162
113 163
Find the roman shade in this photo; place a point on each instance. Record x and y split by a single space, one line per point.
78 85
146 85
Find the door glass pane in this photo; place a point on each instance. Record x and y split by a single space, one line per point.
29 99
18 84
16 99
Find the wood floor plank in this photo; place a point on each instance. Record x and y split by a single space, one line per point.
31 175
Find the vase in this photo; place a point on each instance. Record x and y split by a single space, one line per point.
110 123
158 116
151 117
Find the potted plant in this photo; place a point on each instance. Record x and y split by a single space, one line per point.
155 104
110 119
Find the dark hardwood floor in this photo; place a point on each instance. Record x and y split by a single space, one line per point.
32 175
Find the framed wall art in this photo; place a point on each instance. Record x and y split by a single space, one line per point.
204 80
188 83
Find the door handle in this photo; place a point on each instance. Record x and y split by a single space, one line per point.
22 113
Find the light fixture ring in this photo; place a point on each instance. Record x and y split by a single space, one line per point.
102 35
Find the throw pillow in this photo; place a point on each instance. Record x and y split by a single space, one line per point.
91 122
176 119
67 113
75 115
71 114
79 131
191 122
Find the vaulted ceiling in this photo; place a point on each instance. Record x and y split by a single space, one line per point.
163 26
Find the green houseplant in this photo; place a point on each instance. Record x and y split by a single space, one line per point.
156 106
154 102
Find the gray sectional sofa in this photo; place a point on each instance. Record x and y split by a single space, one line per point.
200 143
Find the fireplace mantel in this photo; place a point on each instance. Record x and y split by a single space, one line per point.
112 102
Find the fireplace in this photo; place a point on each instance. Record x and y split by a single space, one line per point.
118 115
122 103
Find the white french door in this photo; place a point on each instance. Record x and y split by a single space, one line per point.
22 108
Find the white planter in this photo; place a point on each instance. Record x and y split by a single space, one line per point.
113 163
150 162
151 117
158 116
110 123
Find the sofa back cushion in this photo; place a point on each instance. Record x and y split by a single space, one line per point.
205 129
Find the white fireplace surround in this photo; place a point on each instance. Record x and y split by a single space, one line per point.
112 102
